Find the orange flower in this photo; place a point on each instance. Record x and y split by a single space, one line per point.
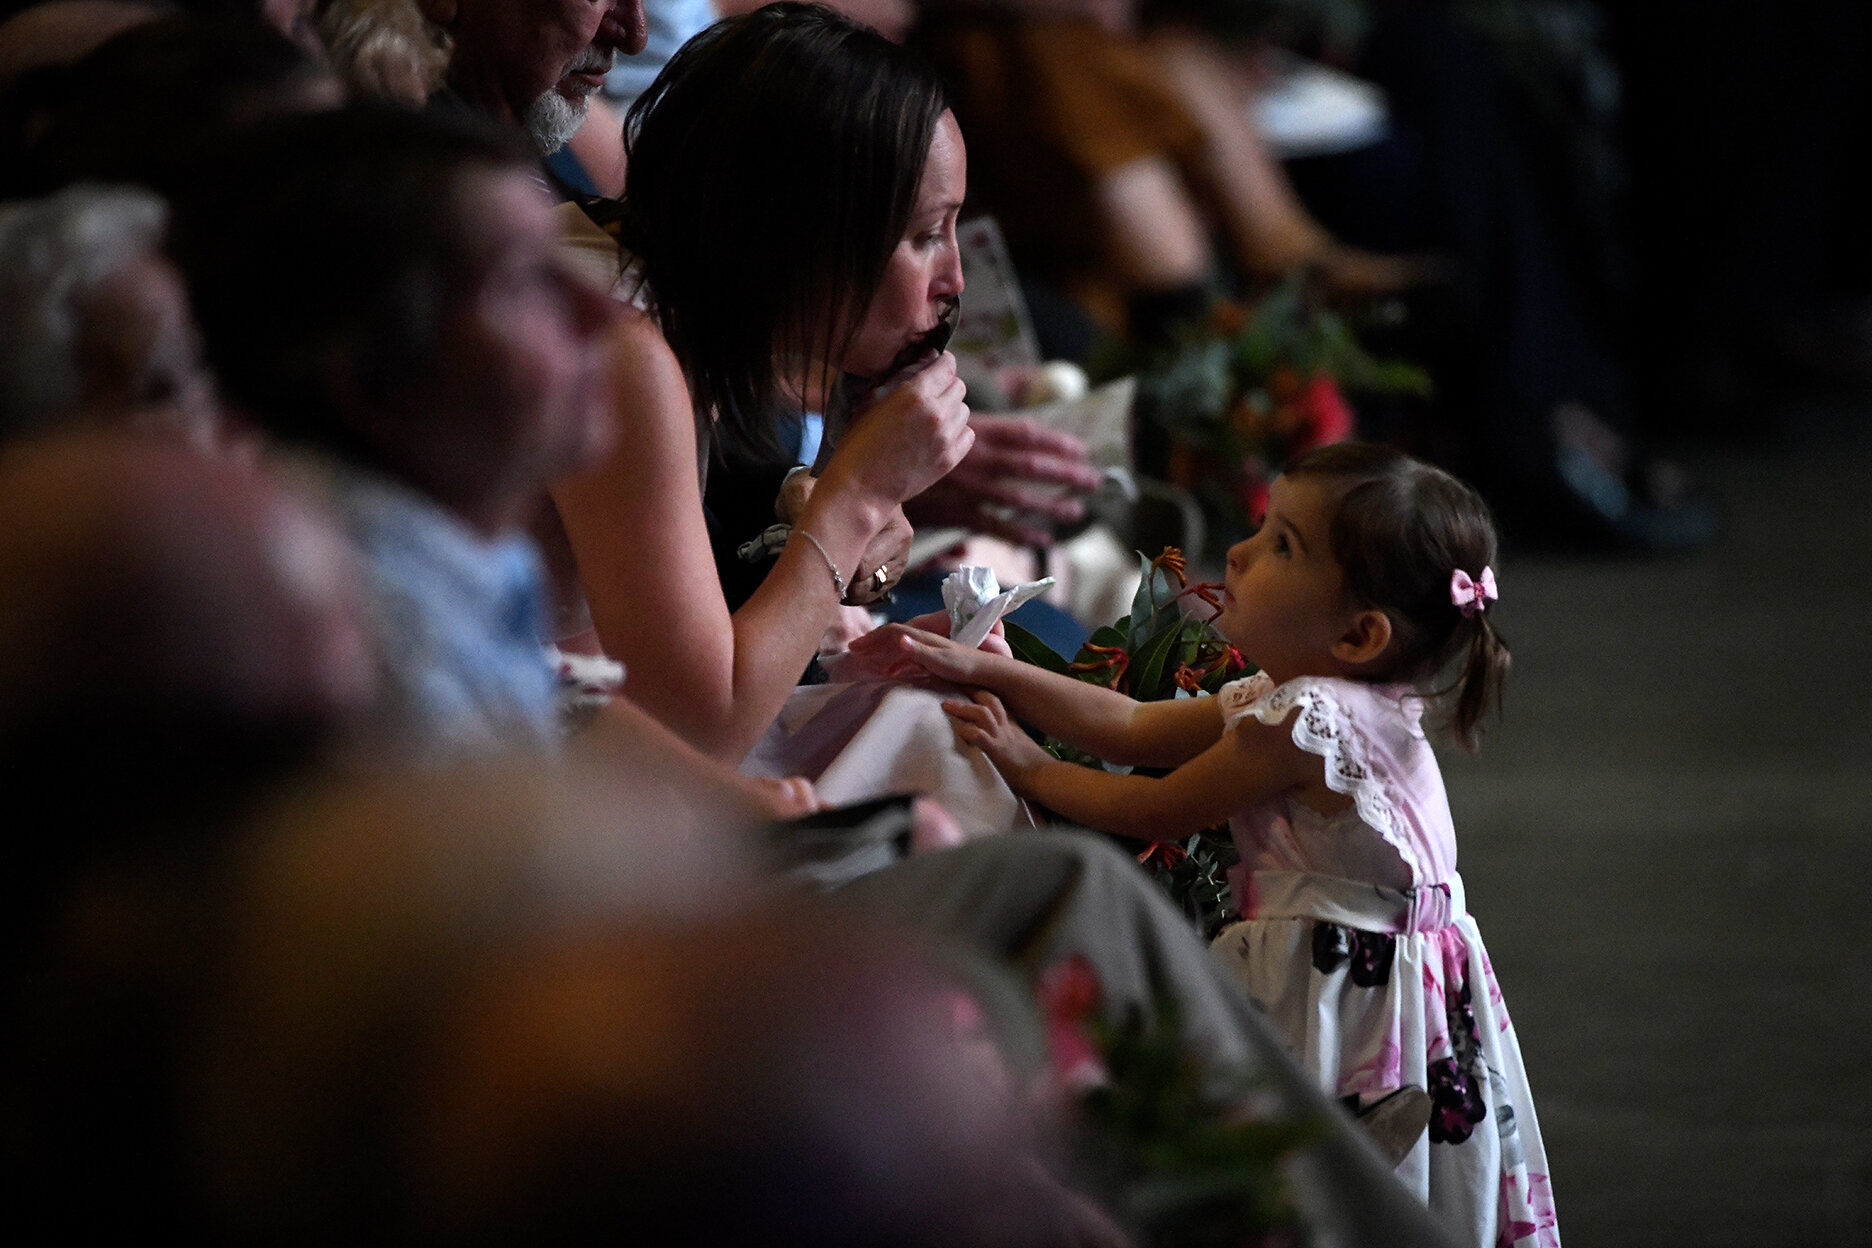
1114 659
1207 591
1165 853
1171 561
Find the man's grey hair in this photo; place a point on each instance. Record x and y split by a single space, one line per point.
54 254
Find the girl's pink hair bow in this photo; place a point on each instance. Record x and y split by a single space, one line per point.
1468 596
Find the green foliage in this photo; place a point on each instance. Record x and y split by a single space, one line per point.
1187 1165
1237 392
1155 652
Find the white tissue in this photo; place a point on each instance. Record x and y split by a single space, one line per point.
975 600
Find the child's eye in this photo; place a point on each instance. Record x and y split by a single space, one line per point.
1280 544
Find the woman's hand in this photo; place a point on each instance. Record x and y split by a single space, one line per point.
1018 480
889 554
777 798
906 438
985 724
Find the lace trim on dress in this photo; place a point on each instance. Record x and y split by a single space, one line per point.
1325 729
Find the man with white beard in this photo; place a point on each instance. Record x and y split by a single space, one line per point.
534 63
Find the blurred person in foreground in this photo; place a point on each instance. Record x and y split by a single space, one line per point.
547 1018
180 636
100 325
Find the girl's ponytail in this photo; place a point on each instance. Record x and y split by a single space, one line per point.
1478 685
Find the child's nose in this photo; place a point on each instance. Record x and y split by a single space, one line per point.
1238 556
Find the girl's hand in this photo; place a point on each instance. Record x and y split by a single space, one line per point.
985 724
938 622
907 437
897 650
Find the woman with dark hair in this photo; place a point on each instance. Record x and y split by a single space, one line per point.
790 228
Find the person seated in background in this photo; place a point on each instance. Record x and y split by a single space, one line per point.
99 328
1113 165
442 365
388 49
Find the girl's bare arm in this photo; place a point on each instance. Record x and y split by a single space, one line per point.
1097 720
1250 763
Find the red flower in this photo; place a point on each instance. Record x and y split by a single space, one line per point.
1251 490
1068 993
1326 418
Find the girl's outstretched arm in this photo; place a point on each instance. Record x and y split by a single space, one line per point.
1252 762
1099 721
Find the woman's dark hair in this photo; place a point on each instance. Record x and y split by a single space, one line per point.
773 166
327 237
1400 529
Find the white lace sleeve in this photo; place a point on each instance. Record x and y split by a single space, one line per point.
1238 697
1325 727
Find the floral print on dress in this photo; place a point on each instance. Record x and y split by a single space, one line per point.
1379 1076
1455 1093
1526 1217
1369 955
1455 1103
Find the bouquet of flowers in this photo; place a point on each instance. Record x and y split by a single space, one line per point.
1178 1163
1160 650
1232 396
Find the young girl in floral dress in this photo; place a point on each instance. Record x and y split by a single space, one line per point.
1369 578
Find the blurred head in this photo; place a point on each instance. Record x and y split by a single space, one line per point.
385 287
58 32
537 62
476 1009
156 103
99 325
181 627
387 49
778 173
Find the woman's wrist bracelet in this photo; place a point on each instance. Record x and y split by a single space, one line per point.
838 577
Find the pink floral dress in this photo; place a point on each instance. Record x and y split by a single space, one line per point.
1355 937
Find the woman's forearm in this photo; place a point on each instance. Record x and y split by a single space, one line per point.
639 535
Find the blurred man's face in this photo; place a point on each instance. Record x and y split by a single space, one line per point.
538 61
517 395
